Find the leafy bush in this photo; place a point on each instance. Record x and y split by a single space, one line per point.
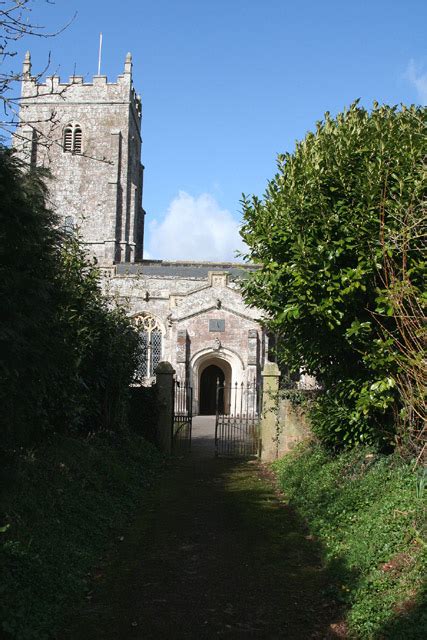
68 354
371 519
336 420
325 233
29 255
99 342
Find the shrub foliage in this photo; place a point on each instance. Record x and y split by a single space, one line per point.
329 229
67 354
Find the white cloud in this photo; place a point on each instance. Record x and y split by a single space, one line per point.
414 73
194 228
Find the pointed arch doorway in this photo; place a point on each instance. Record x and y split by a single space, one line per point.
214 371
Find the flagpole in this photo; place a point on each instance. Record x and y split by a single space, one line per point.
99 55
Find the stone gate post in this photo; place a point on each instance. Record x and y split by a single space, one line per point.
269 417
165 385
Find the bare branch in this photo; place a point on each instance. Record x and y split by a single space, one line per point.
406 327
15 24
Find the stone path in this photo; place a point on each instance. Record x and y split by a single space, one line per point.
214 553
203 437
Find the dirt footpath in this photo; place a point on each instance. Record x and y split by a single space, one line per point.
214 553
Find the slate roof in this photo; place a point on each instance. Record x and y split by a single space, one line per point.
196 270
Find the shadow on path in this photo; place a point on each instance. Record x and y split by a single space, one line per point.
213 553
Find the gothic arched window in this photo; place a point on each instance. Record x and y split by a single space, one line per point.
73 138
150 334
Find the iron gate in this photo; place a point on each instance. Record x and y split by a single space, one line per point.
182 418
237 431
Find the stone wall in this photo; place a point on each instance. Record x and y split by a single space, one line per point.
283 423
293 426
282 428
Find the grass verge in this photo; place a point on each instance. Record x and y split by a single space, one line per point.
369 513
61 506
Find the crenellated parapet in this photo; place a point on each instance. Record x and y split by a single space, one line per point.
77 90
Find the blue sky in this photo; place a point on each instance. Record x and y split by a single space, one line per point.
228 84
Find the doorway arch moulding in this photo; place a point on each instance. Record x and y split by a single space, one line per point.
230 362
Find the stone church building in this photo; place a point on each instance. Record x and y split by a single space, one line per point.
88 134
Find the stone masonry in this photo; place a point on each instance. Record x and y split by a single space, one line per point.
98 188
201 315
190 314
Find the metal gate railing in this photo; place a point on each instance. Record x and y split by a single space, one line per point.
237 432
182 418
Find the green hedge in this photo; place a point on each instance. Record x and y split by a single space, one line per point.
67 354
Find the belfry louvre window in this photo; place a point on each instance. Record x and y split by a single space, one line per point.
68 139
73 138
150 335
77 140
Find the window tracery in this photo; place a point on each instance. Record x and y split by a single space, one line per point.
151 336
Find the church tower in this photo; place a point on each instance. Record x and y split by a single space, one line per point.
89 137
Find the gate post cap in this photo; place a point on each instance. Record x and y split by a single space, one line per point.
270 369
164 367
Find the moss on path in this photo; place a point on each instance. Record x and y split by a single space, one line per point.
213 553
